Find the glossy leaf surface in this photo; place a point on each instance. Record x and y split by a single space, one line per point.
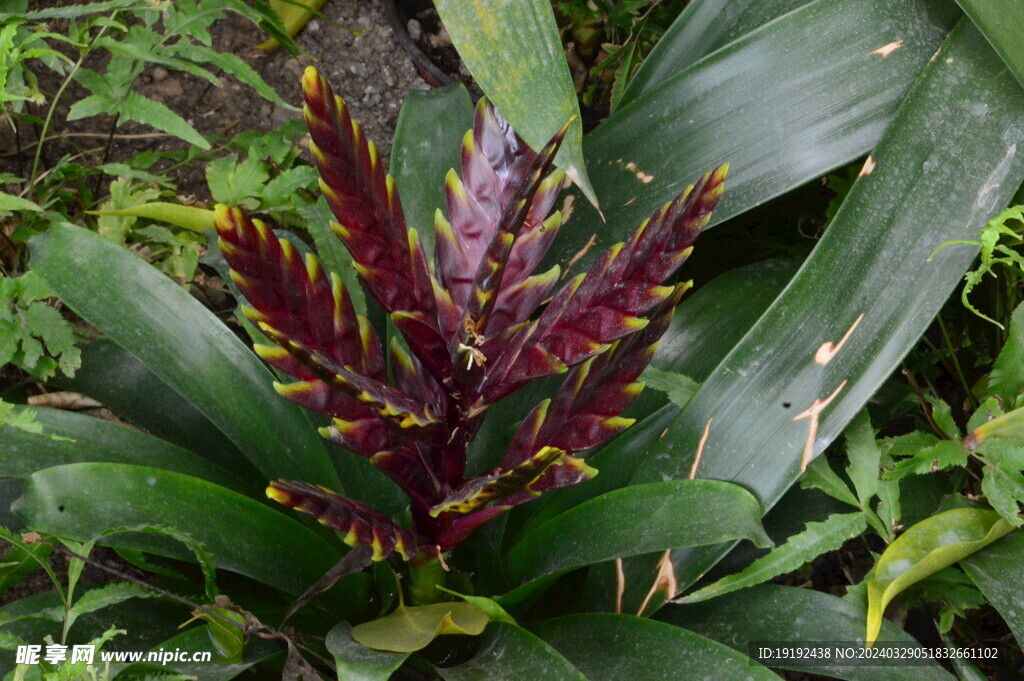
411 628
638 519
926 548
243 535
181 342
355 661
425 147
785 613
875 243
742 105
1002 23
530 60
68 437
509 653
998 571
616 647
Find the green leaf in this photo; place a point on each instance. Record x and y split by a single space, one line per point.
679 388
699 30
1004 489
743 105
874 244
20 559
84 500
124 385
426 145
332 253
68 437
11 202
280 190
865 457
998 571
939 456
232 182
529 59
792 615
801 548
234 65
154 319
508 653
616 647
411 628
1007 376
487 606
104 596
137 108
926 548
627 522
819 474
356 662
942 414
189 217
229 638
1002 23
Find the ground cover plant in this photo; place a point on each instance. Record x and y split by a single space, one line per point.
496 497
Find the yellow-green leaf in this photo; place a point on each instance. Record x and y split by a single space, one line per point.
926 548
411 628
294 15
189 217
513 48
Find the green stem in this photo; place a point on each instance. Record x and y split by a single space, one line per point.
956 365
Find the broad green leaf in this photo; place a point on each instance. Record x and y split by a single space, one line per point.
119 381
196 639
427 143
926 548
617 647
998 571
942 414
280 190
864 456
487 606
797 616
638 519
1007 376
512 48
801 548
189 217
11 202
86 439
229 637
180 341
743 105
699 30
232 182
875 243
411 628
236 66
1009 425
74 11
508 653
355 661
1002 23
243 535
679 388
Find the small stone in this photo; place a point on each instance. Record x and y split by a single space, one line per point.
440 39
313 26
159 73
414 29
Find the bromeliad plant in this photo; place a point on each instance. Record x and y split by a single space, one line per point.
479 325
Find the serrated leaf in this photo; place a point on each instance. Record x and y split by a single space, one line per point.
1007 376
279 190
232 182
1004 489
46 322
819 474
864 456
939 456
149 112
926 548
988 410
801 548
942 414
105 596
679 388
412 628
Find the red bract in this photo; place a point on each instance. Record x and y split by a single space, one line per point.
479 325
